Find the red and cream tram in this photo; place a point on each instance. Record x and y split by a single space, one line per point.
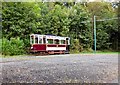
49 44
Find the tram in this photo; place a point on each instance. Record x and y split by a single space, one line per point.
49 44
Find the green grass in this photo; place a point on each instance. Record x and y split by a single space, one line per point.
84 52
14 56
97 52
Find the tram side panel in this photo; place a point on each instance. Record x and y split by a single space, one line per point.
38 48
48 48
56 47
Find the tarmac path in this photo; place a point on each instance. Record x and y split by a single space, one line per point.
68 68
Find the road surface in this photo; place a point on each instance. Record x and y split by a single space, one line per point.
68 68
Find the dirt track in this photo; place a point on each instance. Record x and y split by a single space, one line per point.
70 68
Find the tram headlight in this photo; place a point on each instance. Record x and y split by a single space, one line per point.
31 47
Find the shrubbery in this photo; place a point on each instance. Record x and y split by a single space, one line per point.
14 46
75 46
62 19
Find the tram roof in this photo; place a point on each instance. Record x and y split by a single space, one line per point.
50 36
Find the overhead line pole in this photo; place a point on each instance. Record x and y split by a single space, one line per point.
94 33
94 27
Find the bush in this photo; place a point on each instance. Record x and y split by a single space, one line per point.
87 50
76 47
14 46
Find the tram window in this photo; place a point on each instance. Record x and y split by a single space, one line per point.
56 41
44 40
50 41
66 40
32 40
40 41
62 41
36 39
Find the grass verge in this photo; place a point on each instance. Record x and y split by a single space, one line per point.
14 56
97 52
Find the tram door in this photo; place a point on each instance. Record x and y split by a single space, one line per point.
44 40
67 43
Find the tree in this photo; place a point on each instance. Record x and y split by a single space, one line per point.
105 28
19 19
80 25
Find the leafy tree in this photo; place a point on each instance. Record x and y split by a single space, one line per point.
19 19
80 27
105 28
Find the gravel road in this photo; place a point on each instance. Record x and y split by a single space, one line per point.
68 68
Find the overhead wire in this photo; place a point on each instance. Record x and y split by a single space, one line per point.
101 20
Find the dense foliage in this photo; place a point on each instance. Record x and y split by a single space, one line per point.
20 19
12 46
